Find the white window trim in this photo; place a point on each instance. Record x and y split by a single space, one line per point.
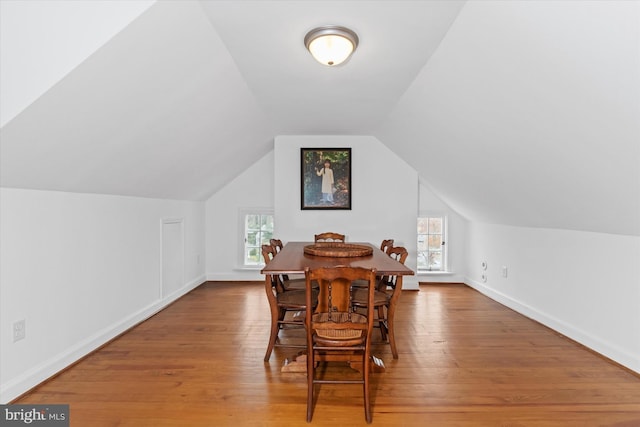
445 250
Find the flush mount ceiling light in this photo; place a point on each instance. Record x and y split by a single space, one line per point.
331 45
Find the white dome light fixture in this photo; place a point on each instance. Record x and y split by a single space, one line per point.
331 45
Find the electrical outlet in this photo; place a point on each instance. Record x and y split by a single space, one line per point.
19 330
504 271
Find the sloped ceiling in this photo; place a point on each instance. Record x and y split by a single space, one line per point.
529 114
524 112
159 111
40 43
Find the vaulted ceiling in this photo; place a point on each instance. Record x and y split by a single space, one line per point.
522 113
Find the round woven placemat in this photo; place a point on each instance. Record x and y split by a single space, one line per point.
338 249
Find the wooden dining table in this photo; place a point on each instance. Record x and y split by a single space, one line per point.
292 259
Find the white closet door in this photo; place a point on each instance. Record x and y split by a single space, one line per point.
172 256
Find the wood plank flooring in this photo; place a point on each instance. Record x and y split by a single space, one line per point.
465 360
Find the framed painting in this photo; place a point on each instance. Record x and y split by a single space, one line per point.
325 178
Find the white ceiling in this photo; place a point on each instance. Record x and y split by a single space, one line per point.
265 39
521 112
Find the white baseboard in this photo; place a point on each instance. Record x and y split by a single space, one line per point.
611 351
239 276
440 277
410 283
36 375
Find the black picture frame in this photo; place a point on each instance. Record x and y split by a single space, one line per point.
313 176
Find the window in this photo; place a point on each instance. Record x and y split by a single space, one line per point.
257 231
431 243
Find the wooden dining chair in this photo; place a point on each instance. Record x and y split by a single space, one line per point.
385 299
337 333
295 282
284 301
329 237
386 244
277 243
384 247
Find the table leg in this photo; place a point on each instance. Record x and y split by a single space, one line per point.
275 312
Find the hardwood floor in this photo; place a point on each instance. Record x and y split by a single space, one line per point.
465 360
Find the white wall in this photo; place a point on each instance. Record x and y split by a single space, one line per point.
80 269
584 285
384 201
252 189
456 237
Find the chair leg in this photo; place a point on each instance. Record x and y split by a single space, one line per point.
310 377
365 373
392 336
275 327
382 323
